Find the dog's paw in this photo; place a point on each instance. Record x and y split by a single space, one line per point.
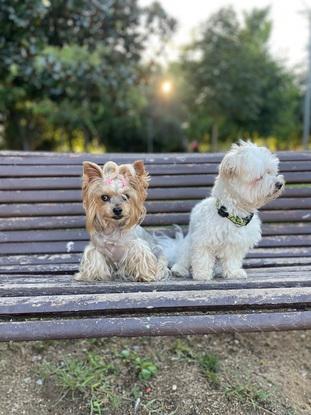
78 276
179 271
205 276
235 274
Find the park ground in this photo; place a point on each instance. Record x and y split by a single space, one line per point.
228 374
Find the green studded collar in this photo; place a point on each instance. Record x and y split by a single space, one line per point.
222 211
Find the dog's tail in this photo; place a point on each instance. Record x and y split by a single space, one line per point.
171 247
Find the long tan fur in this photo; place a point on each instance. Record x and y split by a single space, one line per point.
118 246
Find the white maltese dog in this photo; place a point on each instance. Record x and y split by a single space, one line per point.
226 225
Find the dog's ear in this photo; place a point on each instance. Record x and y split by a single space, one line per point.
91 171
139 167
126 170
141 173
228 167
110 168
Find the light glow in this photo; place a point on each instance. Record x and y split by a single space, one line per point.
166 87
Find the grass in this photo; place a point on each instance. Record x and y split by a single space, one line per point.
183 351
209 363
248 394
112 379
145 367
91 377
210 366
95 379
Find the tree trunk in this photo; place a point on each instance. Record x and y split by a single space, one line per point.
70 143
214 138
150 135
87 140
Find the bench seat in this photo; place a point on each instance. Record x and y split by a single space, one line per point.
42 236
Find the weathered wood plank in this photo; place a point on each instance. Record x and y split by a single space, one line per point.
33 259
211 300
273 254
43 178
38 285
10 167
77 234
74 196
170 206
60 265
71 246
62 181
19 157
160 219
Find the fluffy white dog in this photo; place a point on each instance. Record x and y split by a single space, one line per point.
225 226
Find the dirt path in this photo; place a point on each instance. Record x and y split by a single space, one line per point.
214 374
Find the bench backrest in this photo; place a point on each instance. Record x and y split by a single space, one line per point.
41 210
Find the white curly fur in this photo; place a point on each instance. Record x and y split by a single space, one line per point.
248 178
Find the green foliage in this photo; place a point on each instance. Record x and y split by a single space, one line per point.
94 377
145 368
234 84
74 65
209 364
74 75
91 377
183 351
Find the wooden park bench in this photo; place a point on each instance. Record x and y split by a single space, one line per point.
42 236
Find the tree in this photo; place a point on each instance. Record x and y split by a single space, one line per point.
235 87
73 65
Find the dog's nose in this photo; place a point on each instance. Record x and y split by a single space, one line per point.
278 185
117 211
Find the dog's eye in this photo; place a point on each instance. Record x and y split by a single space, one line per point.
257 180
105 198
126 196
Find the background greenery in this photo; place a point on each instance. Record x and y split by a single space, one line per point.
85 75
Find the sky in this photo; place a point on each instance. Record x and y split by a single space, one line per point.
289 38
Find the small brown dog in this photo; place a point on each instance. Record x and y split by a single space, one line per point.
113 199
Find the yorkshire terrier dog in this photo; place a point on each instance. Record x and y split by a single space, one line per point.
113 199
226 225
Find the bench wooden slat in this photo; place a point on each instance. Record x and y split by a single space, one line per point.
66 196
159 219
48 168
172 180
272 254
33 259
180 284
80 234
152 207
78 246
18 157
266 264
38 285
211 300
